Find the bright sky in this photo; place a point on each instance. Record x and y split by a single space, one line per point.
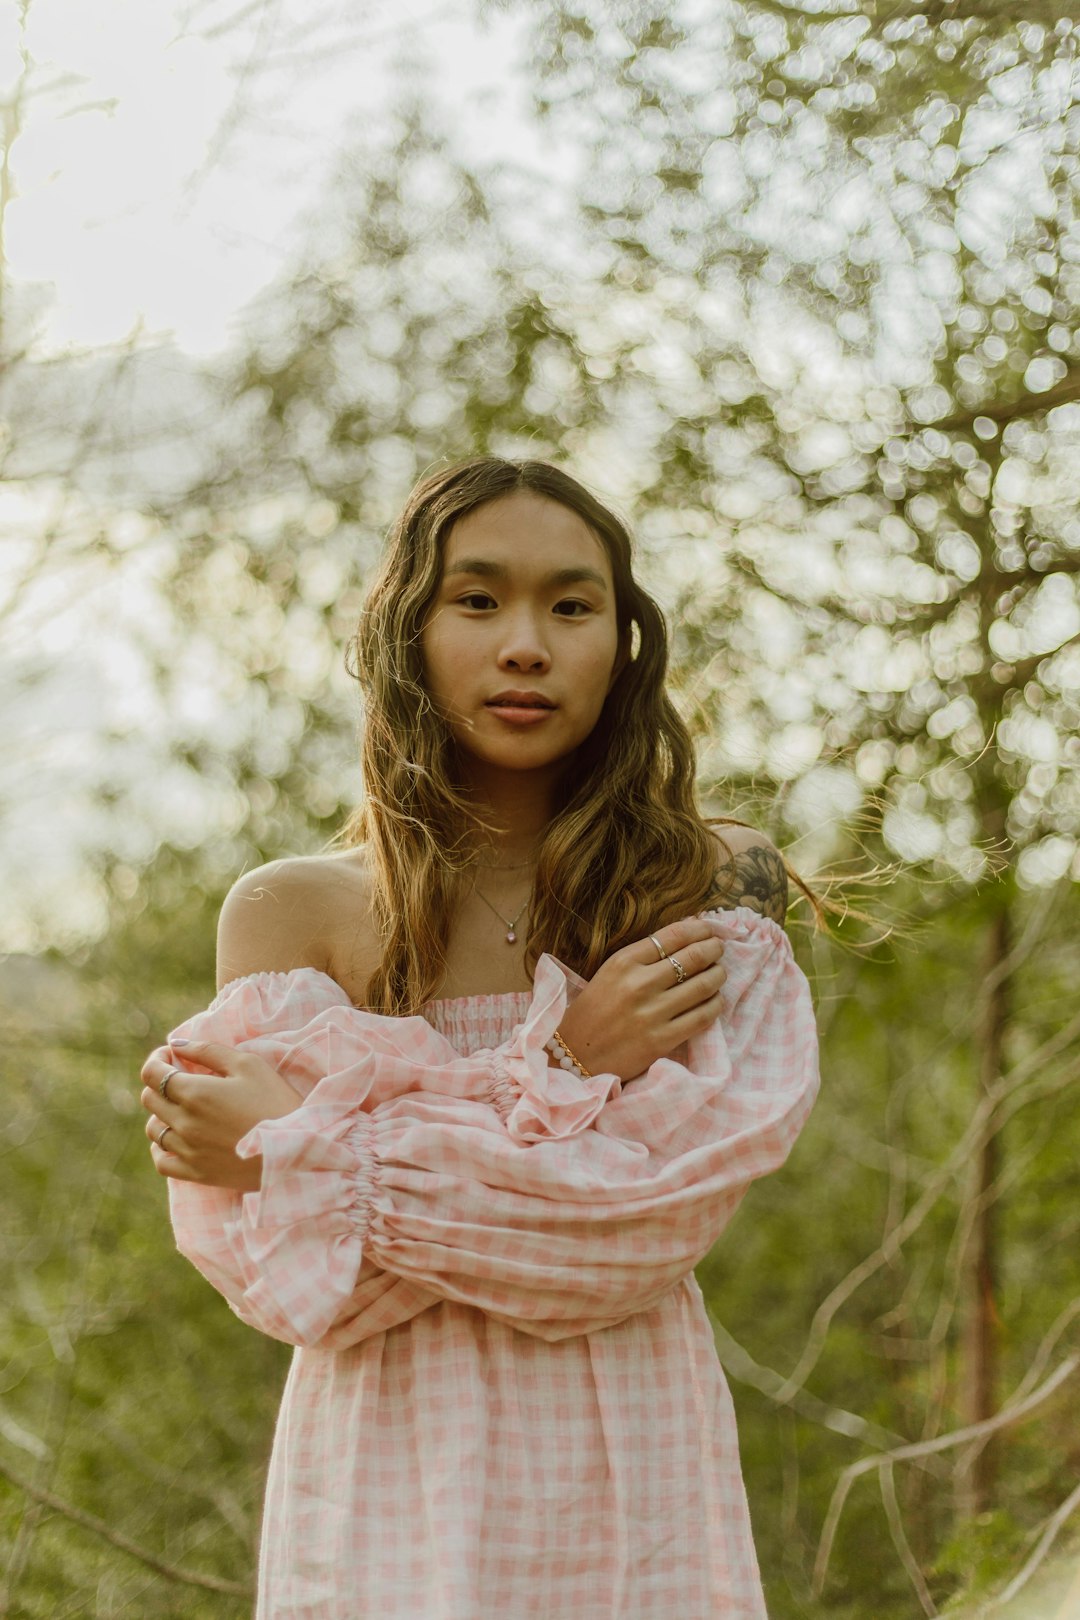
167 151
168 154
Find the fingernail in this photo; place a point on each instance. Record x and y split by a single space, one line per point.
178 1043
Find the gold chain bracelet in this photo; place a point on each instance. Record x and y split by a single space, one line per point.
568 1060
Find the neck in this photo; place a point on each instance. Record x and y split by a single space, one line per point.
519 808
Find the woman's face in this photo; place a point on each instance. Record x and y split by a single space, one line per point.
521 645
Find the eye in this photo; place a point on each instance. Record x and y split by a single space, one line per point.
569 603
476 599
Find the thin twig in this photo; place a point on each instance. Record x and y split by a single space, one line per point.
745 1370
887 1482
873 1262
997 1107
1062 393
926 1448
98 1527
1044 1351
1046 1540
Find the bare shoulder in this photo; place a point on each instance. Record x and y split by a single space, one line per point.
290 914
750 872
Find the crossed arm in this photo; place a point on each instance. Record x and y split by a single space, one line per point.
629 1016
399 1180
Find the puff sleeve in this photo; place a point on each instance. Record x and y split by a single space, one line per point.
498 1181
305 1026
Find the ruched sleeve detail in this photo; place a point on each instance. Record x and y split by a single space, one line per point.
549 1102
583 1205
338 1059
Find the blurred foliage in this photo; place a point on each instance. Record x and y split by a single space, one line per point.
897 1059
123 1396
129 1390
851 244
810 306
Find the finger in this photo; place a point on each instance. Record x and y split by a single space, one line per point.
167 1164
154 1071
210 1055
681 967
695 958
168 1109
698 1019
151 1069
673 936
155 1128
157 1066
682 998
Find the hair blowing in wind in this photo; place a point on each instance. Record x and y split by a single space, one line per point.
626 828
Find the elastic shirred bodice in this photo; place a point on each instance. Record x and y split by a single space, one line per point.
471 1022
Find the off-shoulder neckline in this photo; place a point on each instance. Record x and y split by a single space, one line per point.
270 974
484 998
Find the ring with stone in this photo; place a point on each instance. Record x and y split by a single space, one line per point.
680 971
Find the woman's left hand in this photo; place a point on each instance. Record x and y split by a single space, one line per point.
203 1116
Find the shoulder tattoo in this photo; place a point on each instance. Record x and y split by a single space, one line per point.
756 878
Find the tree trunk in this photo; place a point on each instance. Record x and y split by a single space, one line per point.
979 1349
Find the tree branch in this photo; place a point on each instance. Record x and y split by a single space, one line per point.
1057 1519
925 1448
745 1370
997 1106
98 1527
1062 393
887 1481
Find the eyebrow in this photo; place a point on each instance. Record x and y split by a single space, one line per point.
485 569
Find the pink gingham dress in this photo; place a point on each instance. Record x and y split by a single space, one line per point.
505 1403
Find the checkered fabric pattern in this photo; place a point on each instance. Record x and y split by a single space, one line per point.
506 1400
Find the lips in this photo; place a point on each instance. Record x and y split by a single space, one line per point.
519 700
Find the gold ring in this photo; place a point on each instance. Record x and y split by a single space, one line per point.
164 1081
659 947
680 971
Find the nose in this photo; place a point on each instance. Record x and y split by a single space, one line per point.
523 645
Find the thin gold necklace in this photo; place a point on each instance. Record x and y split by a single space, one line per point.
508 923
518 866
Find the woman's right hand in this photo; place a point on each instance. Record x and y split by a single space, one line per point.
634 1009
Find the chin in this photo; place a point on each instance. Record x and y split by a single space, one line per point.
517 754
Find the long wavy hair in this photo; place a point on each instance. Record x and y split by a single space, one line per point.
626 848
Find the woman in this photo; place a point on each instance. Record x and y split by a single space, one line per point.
546 1028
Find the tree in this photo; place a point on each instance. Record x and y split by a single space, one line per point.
777 319
888 474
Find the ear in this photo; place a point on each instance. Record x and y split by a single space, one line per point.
622 657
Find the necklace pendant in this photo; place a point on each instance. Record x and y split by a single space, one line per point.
511 938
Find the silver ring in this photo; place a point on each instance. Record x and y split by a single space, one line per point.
659 947
164 1082
680 971
164 1134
